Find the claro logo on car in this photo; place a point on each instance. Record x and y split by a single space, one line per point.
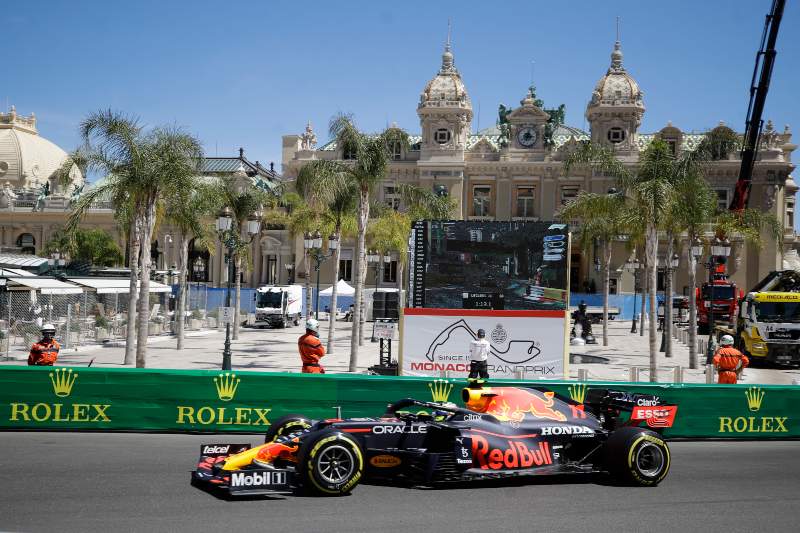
226 385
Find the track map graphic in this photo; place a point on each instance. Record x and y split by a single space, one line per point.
442 339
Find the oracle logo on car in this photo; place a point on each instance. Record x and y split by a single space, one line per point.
381 430
514 454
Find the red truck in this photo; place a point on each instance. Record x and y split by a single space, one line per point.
724 299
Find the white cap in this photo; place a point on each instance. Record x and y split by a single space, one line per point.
726 340
313 325
48 327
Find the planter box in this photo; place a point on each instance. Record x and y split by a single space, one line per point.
154 328
195 323
101 334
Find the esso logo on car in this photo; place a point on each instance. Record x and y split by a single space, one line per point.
652 413
385 430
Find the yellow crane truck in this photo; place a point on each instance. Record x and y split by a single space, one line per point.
768 325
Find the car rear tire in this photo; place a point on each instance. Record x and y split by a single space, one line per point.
330 464
637 456
286 425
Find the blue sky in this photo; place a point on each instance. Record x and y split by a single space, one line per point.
244 73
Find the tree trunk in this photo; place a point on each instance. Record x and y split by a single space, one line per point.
668 299
180 308
144 288
652 274
133 291
645 291
692 302
606 288
399 282
360 264
237 269
334 291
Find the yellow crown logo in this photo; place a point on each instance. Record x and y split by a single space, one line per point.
577 392
440 390
754 398
63 379
227 384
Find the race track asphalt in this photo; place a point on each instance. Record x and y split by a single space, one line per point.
132 482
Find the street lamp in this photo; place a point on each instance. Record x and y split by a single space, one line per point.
633 266
720 250
374 258
230 238
670 266
289 273
313 247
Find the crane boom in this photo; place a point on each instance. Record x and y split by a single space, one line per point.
765 58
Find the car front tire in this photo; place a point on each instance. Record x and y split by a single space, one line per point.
331 464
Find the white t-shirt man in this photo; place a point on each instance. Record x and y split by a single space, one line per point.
479 350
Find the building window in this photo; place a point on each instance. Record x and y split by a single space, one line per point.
391 197
722 199
349 152
346 269
482 201
271 275
790 213
442 136
568 194
673 146
27 243
616 135
390 272
396 151
525 198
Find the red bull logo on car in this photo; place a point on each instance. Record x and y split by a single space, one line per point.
513 454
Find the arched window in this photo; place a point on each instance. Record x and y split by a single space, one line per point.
27 243
198 263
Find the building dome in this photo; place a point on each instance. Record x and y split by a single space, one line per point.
27 160
447 88
617 87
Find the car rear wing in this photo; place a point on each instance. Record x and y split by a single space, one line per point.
609 405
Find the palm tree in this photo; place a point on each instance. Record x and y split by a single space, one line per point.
115 147
336 198
188 210
602 218
649 186
244 201
366 165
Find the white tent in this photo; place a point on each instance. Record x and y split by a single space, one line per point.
43 285
342 289
115 285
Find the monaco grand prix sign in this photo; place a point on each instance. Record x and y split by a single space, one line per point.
436 341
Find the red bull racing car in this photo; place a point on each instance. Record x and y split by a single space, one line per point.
504 431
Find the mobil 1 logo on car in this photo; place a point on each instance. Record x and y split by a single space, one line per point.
258 480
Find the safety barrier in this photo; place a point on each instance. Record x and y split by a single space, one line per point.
81 398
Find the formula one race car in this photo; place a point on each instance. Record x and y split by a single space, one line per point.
505 431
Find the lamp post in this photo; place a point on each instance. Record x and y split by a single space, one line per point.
633 266
289 273
198 268
374 258
229 237
720 250
313 247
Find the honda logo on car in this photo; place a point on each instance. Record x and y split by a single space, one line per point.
257 478
514 454
567 430
381 430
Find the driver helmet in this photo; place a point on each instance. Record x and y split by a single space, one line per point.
726 340
481 333
312 325
48 328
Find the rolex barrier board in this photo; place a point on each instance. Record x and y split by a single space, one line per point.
79 398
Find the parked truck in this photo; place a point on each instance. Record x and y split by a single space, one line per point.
278 305
720 297
768 325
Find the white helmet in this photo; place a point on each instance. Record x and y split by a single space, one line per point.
313 325
726 340
48 327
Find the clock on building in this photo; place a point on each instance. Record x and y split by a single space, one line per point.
526 136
